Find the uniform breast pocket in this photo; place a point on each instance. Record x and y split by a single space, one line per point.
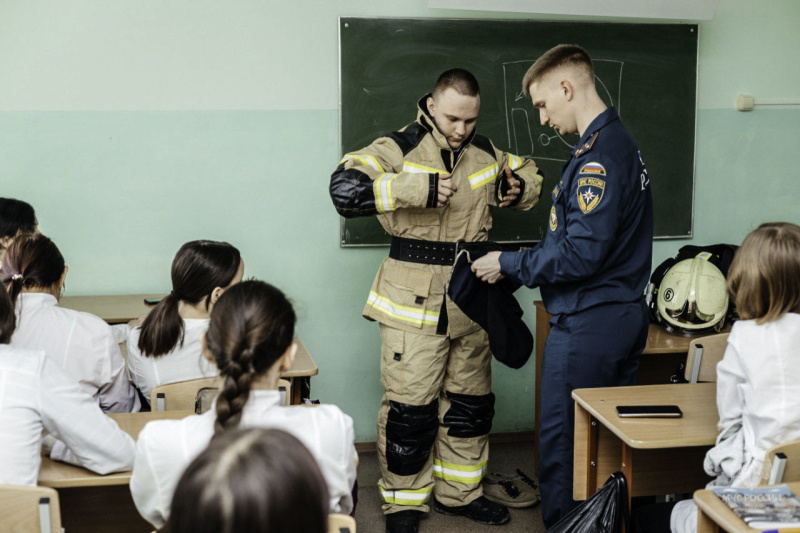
404 295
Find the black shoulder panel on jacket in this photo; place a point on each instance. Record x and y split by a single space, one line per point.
408 139
484 144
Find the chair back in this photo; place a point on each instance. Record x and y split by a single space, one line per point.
704 354
341 523
29 510
198 395
781 464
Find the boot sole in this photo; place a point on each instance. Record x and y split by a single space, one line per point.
445 511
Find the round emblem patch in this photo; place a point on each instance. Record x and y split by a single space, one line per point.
668 294
553 219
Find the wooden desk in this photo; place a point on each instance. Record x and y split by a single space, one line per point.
657 455
94 503
670 348
714 516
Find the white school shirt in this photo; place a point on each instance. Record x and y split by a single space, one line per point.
758 398
166 447
184 362
36 395
81 344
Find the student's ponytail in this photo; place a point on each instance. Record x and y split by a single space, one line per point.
252 326
32 261
199 267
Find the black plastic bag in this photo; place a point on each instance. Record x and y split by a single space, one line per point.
603 512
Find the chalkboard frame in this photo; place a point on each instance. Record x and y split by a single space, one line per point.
544 200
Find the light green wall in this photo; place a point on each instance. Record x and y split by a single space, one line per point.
134 127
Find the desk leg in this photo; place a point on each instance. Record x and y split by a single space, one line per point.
705 524
591 467
542 331
627 469
301 390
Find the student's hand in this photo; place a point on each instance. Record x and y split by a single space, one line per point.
487 268
513 191
446 189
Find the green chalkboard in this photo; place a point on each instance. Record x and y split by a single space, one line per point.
647 71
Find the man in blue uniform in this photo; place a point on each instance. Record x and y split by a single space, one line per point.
593 264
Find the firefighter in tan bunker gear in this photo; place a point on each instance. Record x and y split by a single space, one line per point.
431 186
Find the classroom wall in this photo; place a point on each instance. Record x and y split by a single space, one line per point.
133 127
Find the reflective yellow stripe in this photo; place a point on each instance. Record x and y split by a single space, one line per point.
406 496
514 161
382 187
364 159
463 474
416 168
400 312
483 176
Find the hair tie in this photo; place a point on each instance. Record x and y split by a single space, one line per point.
16 277
176 295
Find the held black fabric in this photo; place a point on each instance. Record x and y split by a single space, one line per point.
352 193
410 434
604 512
494 308
469 416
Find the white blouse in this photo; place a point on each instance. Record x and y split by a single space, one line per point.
758 398
36 395
186 361
81 344
166 447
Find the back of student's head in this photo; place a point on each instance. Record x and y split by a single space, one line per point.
199 267
569 55
251 327
764 279
32 261
8 321
16 217
251 481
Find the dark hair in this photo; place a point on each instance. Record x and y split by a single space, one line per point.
8 321
32 260
199 267
251 481
563 54
16 216
251 327
459 79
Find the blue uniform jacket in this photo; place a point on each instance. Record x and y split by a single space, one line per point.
598 248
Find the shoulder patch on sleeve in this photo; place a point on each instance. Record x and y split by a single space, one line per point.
588 144
594 168
590 193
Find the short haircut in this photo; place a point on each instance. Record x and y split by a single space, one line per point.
459 79
8 321
561 55
764 279
251 480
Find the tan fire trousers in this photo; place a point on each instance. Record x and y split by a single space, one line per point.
437 399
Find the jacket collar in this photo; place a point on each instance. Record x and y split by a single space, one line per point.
426 120
600 121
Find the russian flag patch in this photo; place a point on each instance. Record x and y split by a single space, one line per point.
595 169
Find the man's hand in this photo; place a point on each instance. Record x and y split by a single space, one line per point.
446 189
513 191
487 268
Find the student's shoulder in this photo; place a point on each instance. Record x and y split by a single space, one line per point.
175 434
322 413
22 360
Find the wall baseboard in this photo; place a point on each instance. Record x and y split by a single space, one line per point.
494 438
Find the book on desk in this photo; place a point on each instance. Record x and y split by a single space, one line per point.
763 507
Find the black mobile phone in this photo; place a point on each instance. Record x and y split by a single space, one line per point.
153 301
649 411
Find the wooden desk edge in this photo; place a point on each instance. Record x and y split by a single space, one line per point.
709 504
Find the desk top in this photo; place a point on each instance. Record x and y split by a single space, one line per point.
61 475
697 427
114 309
721 514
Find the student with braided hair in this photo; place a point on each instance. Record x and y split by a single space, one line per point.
250 337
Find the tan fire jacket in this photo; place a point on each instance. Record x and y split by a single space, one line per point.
396 178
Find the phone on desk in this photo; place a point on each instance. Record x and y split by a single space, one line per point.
649 411
153 301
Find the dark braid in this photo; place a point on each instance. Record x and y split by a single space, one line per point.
251 327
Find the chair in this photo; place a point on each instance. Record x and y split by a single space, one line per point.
704 354
29 510
197 395
781 464
341 523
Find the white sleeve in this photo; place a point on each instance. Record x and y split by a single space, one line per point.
88 437
151 497
730 377
117 395
340 469
120 332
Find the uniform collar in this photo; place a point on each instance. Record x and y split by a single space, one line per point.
425 119
590 135
37 298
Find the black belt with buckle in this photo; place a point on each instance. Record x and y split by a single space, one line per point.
436 252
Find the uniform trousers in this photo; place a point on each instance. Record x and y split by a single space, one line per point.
434 418
596 347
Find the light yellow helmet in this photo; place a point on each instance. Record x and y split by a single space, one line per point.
693 296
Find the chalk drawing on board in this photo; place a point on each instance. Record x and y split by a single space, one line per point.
526 136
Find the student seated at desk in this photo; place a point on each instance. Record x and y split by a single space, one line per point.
80 344
167 347
16 217
254 480
36 395
250 338
758 379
